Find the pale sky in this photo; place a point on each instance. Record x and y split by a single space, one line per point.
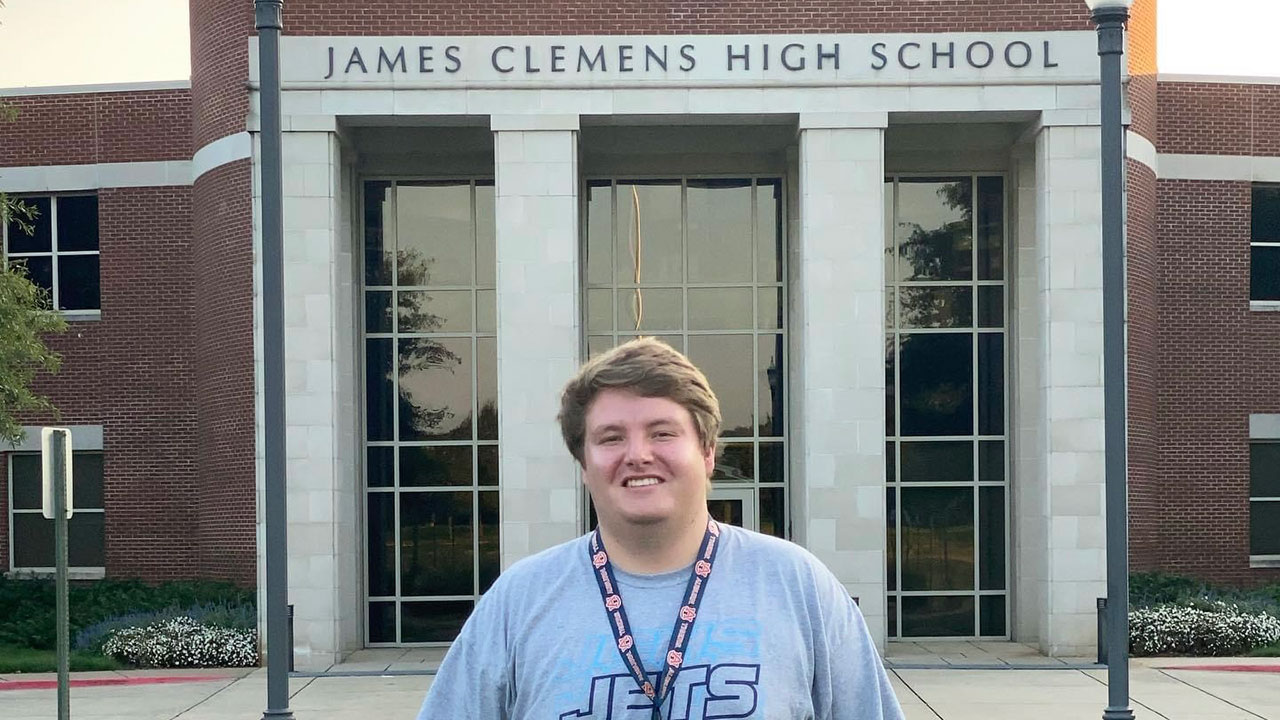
80 42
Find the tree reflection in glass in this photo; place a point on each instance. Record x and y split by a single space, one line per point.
934 229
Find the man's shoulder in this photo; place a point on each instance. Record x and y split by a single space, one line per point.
758 547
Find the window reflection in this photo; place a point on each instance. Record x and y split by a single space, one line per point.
934 229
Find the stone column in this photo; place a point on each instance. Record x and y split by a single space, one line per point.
321 440
539 332
1059 508
837 270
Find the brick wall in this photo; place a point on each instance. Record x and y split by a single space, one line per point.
1144 360
130 372
593 17
1219 119
97 128
220 31
223 288
1142 68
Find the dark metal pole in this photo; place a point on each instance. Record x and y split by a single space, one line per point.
1110 22
63 605
268 14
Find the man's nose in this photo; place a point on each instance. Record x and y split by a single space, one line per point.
639 452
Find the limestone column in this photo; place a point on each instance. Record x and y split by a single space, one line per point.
1059 507
536 159
838 488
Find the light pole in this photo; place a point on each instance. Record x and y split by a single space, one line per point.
1110 17
268 21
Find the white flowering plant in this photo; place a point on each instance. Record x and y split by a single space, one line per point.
183 642
1200 627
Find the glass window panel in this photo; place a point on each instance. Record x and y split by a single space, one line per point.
725 510
890 317
486 230
934 229
719 230
487 388
599 232
771 413
935 307
1264 527
772 462
656 309
769 313
1264 469
891 537
990 384
991 558
32 540
382 622
435 388
39 270
890 386
486 311
85 540
377 311
946 616
490 525
656 239
436 552
1264 273
78 283
40 239
435 466
1265 213
890 462
487 462
382 543
597 344
990 228
889 271
991 460
892 608
942 461
27 481
720 309
992 609
379 240
433 621
379 390
434 311
726 360
773 511
769 230
434 241
990 306
936 382
86 478
77 222
735 463
600 310
937 538
380 466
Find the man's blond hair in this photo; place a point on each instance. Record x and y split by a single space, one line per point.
646 367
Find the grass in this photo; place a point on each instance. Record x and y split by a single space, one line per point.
1272 650
26 660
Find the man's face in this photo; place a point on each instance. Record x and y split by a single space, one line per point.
643 462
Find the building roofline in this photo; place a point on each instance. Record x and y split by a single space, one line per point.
1222 79
98 88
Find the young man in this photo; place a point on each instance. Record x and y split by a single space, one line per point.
661 612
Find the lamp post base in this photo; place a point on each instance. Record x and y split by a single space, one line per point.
1112 713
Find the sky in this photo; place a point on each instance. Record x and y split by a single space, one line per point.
83 42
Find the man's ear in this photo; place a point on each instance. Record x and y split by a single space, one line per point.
709 459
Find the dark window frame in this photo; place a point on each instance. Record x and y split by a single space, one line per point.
57 294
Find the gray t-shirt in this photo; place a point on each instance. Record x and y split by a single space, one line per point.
776 637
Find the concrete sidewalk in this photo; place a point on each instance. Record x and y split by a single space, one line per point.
359 689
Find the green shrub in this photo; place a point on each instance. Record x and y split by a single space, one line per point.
27 605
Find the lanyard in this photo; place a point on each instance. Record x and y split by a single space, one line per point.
609 594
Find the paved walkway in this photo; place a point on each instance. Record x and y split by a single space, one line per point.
941 681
